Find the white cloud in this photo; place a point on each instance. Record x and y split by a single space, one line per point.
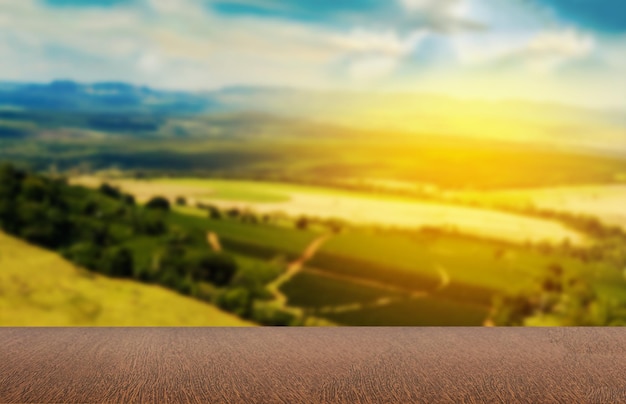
158 39
374 67
183 44
387 43
441 6
541 51
566 43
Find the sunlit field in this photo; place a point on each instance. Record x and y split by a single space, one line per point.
606 202
357 208
38 288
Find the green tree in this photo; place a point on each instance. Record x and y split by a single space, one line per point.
217 268
34 189
118 262
302 223
110 191
237 300
214 212
158 203
84 254
181 201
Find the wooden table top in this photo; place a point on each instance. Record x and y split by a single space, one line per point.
309 365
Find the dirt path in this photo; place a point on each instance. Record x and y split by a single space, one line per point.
214 241
294 268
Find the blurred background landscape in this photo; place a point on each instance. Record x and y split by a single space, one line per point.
264 162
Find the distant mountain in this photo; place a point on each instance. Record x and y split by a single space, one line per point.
67 95
122 107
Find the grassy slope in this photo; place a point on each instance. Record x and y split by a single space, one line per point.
39 288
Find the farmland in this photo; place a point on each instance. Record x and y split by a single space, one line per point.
377 275
363 278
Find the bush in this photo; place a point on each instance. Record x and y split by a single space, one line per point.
128 199
302 223
110 191
150 223
84 254
236 301
217 268
214 212
34 189
270 316
159 203
117 261
181 201
233 212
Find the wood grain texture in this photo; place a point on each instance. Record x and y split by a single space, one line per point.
292 365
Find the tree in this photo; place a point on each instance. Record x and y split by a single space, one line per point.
118 262
110 191
272 316
34 189
158 203
566 301
217 268
233 212
153 224
84 254
10 181
8 216
236 301
89 208
214 212
128 199
181 201
302 223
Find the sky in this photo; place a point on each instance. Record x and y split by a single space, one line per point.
566 51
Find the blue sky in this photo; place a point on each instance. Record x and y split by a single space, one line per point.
570 51
602 15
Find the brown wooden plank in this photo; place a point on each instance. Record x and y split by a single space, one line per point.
291 365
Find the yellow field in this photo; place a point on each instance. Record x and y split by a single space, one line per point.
39 288
606 202
355 207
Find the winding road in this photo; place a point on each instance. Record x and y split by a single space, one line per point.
294 268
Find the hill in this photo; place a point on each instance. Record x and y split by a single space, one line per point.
67 95
39 288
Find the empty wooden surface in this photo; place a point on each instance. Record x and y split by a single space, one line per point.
291 365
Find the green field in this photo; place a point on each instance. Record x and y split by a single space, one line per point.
316 289
256 239
38 288
491 265
420 312
360 267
